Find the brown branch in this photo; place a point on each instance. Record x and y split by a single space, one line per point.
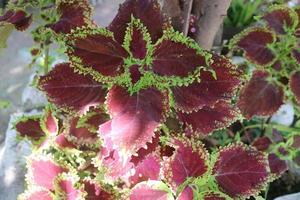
211 15
187 8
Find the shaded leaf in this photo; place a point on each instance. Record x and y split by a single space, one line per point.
95 51
240 170
80 135
277 166
208 119
70 90
259 96
279 18
30 128
176 55
254 42
19 18
148 11
262 143
73 14
295 85
188 161
210 89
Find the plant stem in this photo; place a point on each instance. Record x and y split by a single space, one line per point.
276 126
46 59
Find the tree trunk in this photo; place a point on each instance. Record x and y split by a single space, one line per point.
210 14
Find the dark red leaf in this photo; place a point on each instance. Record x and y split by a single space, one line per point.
98 52
189 160
30 127
135 73
297 10
148 11
296 142
151 190
70 90
44 172
80 135
254 43
278 18
208 119
210 89
262 143
213 196
296 55
137 39
147 169
73 14
259 96
95 191
295 85
240 170
175 58
93 119
18 18
134 117
143 152
277 166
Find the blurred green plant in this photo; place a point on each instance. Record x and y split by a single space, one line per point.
4 104
242 13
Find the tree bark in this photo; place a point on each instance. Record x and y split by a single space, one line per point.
211 14
187 8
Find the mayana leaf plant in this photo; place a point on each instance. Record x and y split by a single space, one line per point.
128 111
273 47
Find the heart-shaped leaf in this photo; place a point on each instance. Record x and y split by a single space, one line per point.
259 96
134 118
70 90
240 171
254 42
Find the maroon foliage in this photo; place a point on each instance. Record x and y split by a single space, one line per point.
30 128
259 96
18 18
70 90
210 89
295 85
254 43
74 14
278 18
240 171
148 11
175 59
208 119
134 118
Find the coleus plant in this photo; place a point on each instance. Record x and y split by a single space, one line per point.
128 111
273 47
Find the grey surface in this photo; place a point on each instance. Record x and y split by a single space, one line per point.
289 197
